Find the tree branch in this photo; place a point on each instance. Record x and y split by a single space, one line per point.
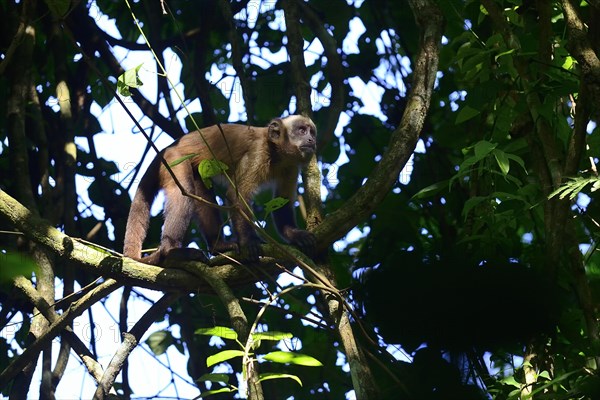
88 34
403 139
130 341
237 55
93 367
76 309
335 74
127 271
311 175
239 321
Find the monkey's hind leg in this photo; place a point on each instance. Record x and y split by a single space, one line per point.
178 213
209 220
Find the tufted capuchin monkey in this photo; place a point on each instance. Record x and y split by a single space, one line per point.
255 157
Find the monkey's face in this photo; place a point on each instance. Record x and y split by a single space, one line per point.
303 135
295 135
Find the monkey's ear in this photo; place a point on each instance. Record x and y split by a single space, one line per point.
275 129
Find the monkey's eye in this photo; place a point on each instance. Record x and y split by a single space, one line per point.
302 130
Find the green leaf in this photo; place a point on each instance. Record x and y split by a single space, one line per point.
504 53
430 190
471 203
502 160
510 380
180 160
209 169
545 375
220 331
467 163
220 378
275 204
59 7
466 113
129 79
271 375
223 356
285 357
193 121
572 187
15 264
160 341
518 160
274 335
569 63
211 392
483 148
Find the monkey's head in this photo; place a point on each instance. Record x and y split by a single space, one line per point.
295 137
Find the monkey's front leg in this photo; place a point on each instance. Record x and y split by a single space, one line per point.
286 225
248 241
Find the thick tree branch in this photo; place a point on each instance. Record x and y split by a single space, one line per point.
403 139
126 270
311 175
579 45
362 377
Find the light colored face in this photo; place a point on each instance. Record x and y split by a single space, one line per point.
302 134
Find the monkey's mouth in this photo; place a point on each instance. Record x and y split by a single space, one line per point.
307 148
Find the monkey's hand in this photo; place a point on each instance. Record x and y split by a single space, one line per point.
222 246
249 247
186 254
304 240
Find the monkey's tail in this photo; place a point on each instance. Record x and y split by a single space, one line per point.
139 213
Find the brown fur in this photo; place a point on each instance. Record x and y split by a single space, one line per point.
255 156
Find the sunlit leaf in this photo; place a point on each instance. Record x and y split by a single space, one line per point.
220 331
510 380
209 169
569 63
129 79
273 335
216 391
573 187
285 357
271 375
223 356
545 375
